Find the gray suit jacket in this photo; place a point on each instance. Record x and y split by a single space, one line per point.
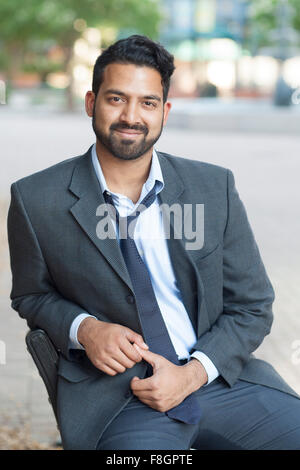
61 268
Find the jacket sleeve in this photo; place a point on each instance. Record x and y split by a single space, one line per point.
247 296
34 295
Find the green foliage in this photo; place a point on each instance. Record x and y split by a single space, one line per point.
25 23
296 17
44 19
265 18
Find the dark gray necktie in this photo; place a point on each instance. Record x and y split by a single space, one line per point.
153 326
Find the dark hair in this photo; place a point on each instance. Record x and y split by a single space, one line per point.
138 50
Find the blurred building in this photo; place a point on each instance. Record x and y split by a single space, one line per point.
207 38
198 19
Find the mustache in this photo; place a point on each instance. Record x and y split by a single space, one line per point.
135 127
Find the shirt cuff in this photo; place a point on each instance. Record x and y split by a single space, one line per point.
211 370
73 341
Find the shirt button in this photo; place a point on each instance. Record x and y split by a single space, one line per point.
130 299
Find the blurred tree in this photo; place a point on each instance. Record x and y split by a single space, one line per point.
272 21
296 17
40 24
275 24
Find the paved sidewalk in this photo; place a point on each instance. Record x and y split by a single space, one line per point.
235 115
266 168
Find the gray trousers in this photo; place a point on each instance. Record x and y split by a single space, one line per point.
246 416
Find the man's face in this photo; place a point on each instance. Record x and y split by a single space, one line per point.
128 112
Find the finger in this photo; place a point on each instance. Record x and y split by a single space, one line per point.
123 359
135 338
130 352
142 384
115 365
149 403
149 356
141 395
108 370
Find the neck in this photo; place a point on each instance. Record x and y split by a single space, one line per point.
124 176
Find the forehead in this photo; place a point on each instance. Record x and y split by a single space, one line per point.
132 79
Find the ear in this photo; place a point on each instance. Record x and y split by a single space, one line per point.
89 103
167 108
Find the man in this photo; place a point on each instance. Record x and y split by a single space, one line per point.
155 333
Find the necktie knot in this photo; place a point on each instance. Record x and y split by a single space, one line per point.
126 225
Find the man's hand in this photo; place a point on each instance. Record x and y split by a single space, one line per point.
109 346
170 384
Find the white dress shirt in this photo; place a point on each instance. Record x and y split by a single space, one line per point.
149 237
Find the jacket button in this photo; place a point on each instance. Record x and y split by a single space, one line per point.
128 394
130 299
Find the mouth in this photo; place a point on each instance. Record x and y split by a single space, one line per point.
129 133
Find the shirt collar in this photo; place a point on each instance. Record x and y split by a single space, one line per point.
155 174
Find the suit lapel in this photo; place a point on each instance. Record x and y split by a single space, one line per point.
85 185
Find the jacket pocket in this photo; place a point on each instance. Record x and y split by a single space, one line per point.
206 258
74 371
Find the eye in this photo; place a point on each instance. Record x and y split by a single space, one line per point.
115 99
150 104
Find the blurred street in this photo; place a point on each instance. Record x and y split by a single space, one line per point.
266 163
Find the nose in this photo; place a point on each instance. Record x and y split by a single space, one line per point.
130 114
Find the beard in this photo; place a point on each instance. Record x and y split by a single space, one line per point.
125 149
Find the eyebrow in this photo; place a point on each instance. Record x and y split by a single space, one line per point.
121 93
